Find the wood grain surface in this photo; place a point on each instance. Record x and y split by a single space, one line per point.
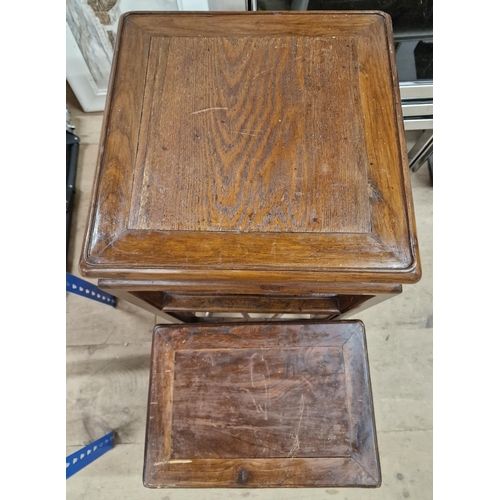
233 158
259 143
261 405
249 284
120 129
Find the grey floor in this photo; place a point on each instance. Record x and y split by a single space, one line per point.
108 355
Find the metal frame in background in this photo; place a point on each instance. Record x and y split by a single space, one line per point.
85 289
417 104
81 458
72 146
421 151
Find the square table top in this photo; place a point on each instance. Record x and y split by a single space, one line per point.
249 145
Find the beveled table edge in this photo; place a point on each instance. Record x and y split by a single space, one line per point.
90 266
171 337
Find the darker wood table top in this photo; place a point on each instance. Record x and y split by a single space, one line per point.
263 405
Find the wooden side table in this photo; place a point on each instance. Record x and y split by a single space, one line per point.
252 162
255 163
261 405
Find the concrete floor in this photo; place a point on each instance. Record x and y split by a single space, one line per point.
108 355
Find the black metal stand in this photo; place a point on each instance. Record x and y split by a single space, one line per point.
72 143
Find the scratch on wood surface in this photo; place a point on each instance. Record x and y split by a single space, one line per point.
261 73
258 407
307 381
251 131
205 110
251 367
179 462
242 248
296 443
265 382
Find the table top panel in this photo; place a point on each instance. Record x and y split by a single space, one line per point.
264 399
220 154
253 141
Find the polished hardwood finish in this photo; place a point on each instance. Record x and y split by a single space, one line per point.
242 147
263 405
252 160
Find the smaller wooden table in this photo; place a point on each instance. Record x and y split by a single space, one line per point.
262 405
